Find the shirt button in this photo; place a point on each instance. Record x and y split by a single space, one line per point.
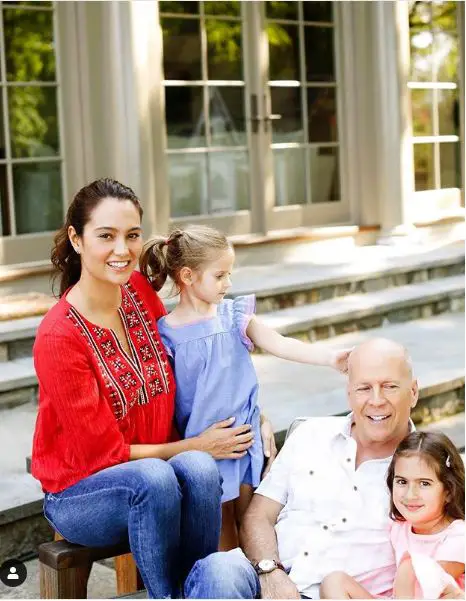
355 488
306 553
343 520
325 527
311 472
348 459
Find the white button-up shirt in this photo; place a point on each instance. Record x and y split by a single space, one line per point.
335 517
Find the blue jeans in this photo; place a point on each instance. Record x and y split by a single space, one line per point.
169 511
223 576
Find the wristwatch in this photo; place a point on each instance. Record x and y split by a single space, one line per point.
265 566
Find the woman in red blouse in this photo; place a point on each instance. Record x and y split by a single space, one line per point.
102 449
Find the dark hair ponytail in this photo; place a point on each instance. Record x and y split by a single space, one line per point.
65 260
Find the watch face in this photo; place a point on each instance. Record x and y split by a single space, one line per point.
266 565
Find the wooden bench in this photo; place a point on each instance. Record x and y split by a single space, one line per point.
65 569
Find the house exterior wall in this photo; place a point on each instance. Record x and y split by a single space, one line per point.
111 94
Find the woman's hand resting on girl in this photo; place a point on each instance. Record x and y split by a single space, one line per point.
224 442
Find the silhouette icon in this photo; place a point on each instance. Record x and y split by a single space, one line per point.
13 573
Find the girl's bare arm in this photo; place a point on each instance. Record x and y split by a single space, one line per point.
295 350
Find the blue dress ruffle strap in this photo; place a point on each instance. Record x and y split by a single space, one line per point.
244 308
215 380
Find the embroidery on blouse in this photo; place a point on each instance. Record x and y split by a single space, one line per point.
119 401
135 378
150 343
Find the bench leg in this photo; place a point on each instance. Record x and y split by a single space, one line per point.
127 575
68 583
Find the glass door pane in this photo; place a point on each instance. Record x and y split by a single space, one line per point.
303 92
205 99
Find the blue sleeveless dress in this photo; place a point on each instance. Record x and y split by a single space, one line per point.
215 380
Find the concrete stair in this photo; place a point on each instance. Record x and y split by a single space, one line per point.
373 286
415 296
328 318
362 270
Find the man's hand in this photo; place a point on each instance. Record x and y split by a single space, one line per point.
278 585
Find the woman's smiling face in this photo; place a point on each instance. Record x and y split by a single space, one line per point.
111 243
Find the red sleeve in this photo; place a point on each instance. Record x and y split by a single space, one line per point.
150 295
70 389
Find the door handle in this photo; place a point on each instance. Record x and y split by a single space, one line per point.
256 118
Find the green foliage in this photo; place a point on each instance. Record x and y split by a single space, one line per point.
179 7
30 56
224 48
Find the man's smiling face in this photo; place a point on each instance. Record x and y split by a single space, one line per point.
381 392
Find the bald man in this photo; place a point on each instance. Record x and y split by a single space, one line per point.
324 505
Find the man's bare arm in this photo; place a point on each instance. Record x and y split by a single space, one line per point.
257 534
258 541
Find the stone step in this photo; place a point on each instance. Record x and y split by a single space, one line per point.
368 270
299 279
355 312
320 321
453 427
18 382
288 285
17 337
30 304
300 276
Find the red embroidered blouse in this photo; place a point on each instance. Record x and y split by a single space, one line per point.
94 399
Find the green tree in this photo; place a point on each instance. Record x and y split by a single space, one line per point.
30 57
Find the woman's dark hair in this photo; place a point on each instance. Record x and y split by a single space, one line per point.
441 455
65 260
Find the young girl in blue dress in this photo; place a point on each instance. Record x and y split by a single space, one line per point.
209 340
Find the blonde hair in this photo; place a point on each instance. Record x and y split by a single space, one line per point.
192 247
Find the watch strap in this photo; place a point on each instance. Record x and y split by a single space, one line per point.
277 566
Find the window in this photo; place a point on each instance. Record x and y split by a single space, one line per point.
435 94
207 143
30 150
304 96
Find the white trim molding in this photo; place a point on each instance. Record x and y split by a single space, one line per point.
394 148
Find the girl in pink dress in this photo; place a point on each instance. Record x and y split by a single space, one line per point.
426 483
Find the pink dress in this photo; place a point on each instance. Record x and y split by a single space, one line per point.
447 545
